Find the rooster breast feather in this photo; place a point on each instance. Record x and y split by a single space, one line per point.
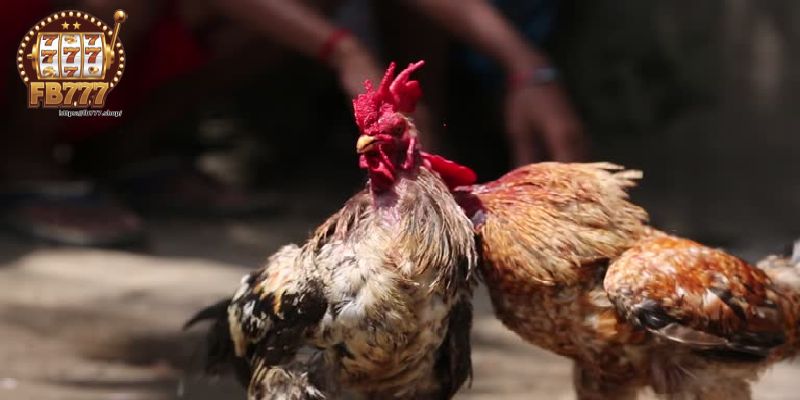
275 308
540 223
688 293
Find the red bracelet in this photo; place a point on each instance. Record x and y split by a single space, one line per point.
327 48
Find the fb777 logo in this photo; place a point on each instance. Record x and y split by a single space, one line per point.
71 59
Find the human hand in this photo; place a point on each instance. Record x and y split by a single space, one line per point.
540 113
354 64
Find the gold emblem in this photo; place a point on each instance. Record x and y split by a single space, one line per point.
71 59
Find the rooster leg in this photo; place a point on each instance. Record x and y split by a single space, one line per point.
590 386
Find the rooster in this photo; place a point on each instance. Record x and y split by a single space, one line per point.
572 267
381 290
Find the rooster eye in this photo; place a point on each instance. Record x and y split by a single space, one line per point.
398 130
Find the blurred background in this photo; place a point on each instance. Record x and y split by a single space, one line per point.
237 136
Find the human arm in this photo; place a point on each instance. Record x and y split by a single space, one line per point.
535 110
304 29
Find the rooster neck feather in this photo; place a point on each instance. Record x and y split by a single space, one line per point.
393 271
420 218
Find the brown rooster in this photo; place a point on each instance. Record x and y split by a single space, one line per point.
381 290
571 266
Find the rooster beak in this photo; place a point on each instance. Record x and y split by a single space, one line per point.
365 143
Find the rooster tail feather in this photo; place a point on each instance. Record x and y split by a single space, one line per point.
220 353
213 312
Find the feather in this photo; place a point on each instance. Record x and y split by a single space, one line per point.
699 296
541 223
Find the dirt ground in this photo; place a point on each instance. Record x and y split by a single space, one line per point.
85 324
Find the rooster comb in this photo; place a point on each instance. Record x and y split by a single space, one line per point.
394 94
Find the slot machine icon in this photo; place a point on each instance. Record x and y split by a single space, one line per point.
76 55
71 59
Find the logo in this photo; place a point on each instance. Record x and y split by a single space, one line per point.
71 59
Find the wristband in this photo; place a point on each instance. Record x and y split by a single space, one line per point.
330 43
535 76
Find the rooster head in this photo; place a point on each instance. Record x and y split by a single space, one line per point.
388 142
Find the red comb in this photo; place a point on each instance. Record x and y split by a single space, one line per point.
394 94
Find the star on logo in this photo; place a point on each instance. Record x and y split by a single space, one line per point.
77 25
65 25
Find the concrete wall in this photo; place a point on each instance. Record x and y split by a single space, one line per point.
703 96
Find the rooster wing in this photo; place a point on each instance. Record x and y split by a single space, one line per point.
685 292
264 325
275 308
